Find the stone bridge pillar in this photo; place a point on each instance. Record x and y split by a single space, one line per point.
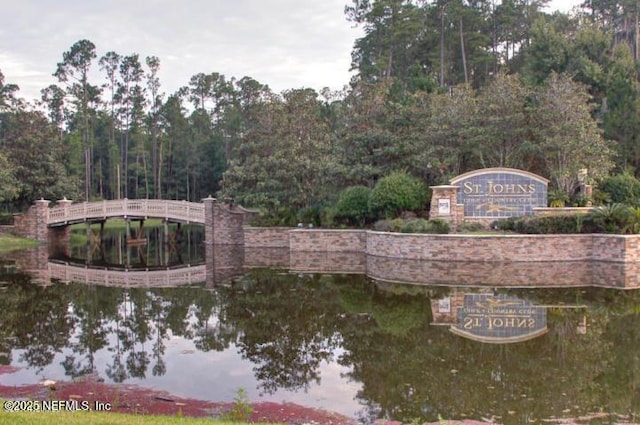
208 219
223 239
33 223
40 216
223 224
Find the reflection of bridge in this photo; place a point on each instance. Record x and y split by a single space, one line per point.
181 211
135 278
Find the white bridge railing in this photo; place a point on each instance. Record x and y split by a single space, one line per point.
128 278
191 212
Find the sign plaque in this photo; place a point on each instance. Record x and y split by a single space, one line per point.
444 206
500 192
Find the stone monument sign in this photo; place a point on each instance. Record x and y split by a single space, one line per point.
489 193
500 192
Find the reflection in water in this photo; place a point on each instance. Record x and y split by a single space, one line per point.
281 335
314 329
155 247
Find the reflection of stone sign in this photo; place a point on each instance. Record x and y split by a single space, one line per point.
500 192
499 319
444 206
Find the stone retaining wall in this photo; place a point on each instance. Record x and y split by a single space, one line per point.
459 247
266 237
505 274
452 247
7 229
328 240
328 262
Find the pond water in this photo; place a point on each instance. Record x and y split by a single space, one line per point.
342 342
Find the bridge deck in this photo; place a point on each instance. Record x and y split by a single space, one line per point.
183 211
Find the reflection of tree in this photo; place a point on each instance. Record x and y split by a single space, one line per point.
288 327
34 319
621 380
184 247
429 372
93 310
211 332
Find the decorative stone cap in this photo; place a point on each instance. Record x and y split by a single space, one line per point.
445 186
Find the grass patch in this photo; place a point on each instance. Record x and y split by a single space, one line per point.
14 243
101 418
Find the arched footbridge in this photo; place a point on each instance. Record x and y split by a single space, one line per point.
223 222
181 211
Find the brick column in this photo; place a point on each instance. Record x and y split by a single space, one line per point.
209 203
209 253
444 205
40 230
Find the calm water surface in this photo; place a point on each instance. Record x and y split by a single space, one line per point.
341 342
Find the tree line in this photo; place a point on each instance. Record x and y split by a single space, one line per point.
440 88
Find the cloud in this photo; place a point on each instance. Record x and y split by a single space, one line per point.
282 43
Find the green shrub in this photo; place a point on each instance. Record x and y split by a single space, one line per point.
413 225
310 215
633 225
395 193
388 225
622 188
557 198
6 219
283 216
560 224
471 226
612 218
439 226
353 206
328 217
241 409
505 224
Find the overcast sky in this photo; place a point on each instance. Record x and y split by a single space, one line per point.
283 43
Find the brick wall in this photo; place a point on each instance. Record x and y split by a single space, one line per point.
452 247
506 274
223 223
7 230
458 247
327 240
266 257
328 262
491 274
266 237
223 263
